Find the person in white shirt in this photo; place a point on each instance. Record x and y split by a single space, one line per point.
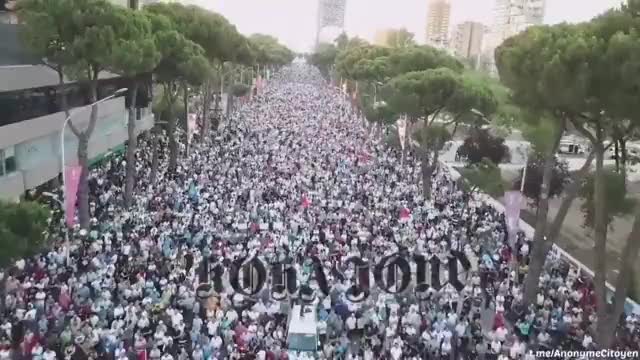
501 334
496 346
396 351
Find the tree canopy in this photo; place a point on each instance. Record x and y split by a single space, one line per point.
22 230
485 176
482 145
400 38
533 181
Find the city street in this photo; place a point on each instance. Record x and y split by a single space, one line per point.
230 181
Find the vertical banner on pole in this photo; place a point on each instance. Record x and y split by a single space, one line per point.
512 202
402 130
72 180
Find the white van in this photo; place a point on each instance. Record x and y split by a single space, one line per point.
302 335
570 146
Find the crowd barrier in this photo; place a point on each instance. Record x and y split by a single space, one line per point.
630 305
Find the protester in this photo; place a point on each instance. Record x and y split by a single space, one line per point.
292 175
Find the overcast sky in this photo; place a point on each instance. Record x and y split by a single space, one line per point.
294 21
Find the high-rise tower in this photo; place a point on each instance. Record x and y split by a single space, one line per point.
438 15
330 14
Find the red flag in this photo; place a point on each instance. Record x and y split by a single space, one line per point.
405 213
305 201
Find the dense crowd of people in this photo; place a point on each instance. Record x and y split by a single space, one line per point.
294 174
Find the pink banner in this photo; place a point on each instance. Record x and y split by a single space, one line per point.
71 181
305 201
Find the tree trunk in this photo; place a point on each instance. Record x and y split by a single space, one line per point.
539 246
600 237
571 194
206 102
185 103
3 291
171 130
83 186
173 143
83 159
607 328
623 159
217 108
427 171
130 179
617 155
155 159
230 104
540 249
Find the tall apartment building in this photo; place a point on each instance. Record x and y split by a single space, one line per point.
331 13
510 18
466 41
31 116
438 16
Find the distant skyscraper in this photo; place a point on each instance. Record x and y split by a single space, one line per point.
330 14
509 18
438 14
467 39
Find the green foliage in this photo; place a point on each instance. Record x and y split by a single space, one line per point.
47 29
268 51
543 64
400 38
431 90
472 94
324 57
380 113
82 34
420 58
217 37
484 176
135 51
359 62
98 26
177 56
482 145
507 114
560 177
540 132
22 230
433 137
617 204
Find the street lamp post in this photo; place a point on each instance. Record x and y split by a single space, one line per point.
64 126
524 170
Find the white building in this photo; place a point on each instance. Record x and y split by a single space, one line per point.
510 18
466 41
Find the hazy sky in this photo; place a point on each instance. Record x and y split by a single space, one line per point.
294 21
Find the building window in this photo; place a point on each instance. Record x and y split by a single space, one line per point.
7 161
